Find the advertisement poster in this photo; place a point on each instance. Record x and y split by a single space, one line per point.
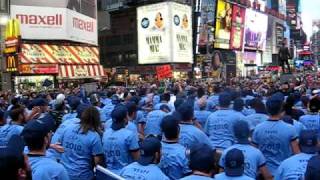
164 33
57 20
164 71
279 34
181 23
238 18
249 57
255 30
223 25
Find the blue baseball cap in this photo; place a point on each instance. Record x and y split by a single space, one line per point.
308 141
118 115
81 108
36 129
39 102
148 148
74 102
234 163
241 132
225 99
313 168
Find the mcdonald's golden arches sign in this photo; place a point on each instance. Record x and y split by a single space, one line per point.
12 63
12 36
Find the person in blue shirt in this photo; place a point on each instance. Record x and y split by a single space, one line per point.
312 120
276 139
202 114
259 116
120 145
37 136
13 164
219 126
295 166
108 108
234 166
298 126
153 122
238 106
95 101
82 145
174 162
74 102
202 163
313 169
165 98
146 167
15 126
253 158
190 135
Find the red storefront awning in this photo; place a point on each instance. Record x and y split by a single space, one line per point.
81 71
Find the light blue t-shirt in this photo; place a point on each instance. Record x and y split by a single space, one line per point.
107 110
253 159
174 162
311 121
202 116
212 102
255 119
68 116
7 131
103 114
274 138
46 169
130 126
219 128
136 171
293 167
154 120
157 106
223 176
298 126
117 146
191 136
79 150
139 118
196 177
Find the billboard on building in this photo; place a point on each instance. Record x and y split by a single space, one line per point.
164 33
238 18
53 20
255 30
223 25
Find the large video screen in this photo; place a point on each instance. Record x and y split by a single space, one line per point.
238 18
223 25
255 30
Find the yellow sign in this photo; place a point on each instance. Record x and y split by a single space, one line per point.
12 63
13 29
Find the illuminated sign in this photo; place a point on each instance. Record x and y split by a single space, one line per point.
11 63
38 69
12 36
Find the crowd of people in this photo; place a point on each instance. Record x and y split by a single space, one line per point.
241 130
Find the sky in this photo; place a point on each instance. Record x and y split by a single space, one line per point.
310 10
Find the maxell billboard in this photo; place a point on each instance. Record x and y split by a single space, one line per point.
49 21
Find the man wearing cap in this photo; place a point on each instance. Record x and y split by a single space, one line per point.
146 167
253 158
174 162
13 164
37 136
276 139
190 135
295 166
202 163
219 126
313 169
233 166
153 122
312 120
120 145
202 114
15 126
164 100
74 102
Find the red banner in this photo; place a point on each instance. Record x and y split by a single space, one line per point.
38 69
164 71
238 18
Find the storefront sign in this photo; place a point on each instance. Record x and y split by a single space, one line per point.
255 30
12 36
48 54
223 25
11 63
38 69
164 71
164 33
238 18
55 23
